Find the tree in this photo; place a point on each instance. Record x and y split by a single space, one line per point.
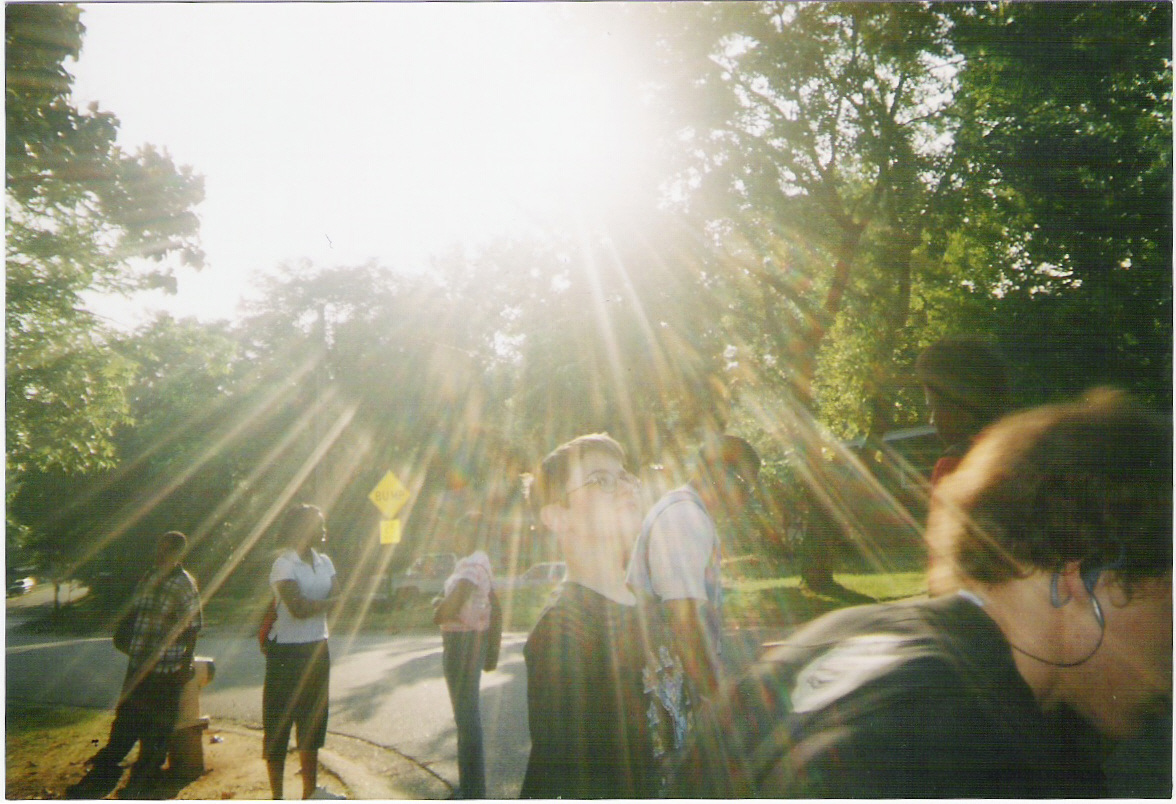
1067 112
876 175
614 331
861 169
82 215
172 465
820 137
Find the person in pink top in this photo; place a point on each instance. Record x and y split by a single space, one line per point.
464 617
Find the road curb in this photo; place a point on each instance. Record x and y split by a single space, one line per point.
373 772
367 771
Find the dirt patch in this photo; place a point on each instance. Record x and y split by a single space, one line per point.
46 749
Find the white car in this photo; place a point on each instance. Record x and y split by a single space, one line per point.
548 573
426 576
21 586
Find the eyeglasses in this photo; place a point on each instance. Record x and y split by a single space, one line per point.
607 482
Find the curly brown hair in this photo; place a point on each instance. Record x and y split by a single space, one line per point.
1087 481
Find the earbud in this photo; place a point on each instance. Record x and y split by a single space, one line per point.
1089 581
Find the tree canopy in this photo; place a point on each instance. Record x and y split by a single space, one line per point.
843 183
81 215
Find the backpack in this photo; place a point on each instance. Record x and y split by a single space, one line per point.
493 634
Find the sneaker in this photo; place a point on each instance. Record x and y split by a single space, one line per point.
100 760
322 792
104 770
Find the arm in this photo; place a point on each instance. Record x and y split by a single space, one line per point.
300 606
689 634
147 635
681 546
555 701
450 606
191 614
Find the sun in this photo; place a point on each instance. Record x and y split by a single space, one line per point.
529 110
341 133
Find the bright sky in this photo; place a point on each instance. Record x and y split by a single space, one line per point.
342 132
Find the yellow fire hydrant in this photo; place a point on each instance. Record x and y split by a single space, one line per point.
186 748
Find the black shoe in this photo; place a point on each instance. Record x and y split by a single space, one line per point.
100 760
97 783
104 769
142 784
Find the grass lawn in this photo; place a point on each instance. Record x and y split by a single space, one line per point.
44 747
786 602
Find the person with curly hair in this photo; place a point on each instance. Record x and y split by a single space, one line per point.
1057 526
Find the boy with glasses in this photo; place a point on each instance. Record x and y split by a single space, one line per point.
584 657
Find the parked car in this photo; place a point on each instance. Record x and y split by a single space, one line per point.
425 576
547 573
20 586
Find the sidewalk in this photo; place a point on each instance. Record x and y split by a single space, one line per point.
355 768
234 769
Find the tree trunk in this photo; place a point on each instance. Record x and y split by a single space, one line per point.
881 388
806 357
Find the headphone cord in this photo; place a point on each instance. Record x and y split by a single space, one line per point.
1102 630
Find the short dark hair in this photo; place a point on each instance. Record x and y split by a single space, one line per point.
969 373
1087 481
728 453
551 479
173 543
303 518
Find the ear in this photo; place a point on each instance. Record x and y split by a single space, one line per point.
1081 589
1071 584
554 517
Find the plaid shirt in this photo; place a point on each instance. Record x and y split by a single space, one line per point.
167 619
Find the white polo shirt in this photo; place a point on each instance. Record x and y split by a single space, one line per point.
314 581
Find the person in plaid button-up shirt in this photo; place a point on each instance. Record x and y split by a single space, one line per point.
167 618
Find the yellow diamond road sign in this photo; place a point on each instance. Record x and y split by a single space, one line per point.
389 495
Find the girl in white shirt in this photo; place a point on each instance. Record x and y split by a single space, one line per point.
297 662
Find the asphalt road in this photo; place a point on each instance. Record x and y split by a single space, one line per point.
386 689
